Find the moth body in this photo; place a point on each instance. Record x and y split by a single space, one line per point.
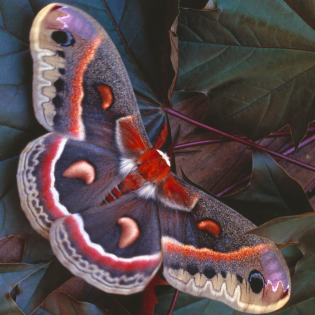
107 199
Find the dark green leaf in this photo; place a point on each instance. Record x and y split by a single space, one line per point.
14 222
304 308
305 9
35 289
291 255
188 304
271 193
287 230
60 303
10 276
255 60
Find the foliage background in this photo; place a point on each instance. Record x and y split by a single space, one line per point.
245 67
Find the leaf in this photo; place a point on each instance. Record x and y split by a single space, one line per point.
112 304
271 193
291 255
303 308
305 9
35 289
14 222
289 230
60 303
148 295
10 276
11 249
300 230
255 60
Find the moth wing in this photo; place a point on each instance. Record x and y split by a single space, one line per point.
80 83
58 176
206 253
113 246
116 247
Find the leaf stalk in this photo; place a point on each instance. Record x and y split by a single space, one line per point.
238 139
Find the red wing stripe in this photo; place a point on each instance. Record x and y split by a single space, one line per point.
50 195
81 240
76 128
173 247
88 260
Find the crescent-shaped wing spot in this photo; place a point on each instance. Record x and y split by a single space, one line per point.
211 227
82 170
106 95
129 231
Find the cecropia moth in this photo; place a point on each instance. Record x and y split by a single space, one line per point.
107 199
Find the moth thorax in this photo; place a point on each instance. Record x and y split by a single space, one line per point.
165 157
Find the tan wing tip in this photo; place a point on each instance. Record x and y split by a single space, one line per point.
34 34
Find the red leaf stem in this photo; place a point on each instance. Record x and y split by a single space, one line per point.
221 140
225 191
173 303
243 141
286 152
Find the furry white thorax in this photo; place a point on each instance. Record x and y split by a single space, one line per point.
165 157
126 166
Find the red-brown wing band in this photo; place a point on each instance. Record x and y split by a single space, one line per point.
119 253
54 182
36 182
210 256
80 83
